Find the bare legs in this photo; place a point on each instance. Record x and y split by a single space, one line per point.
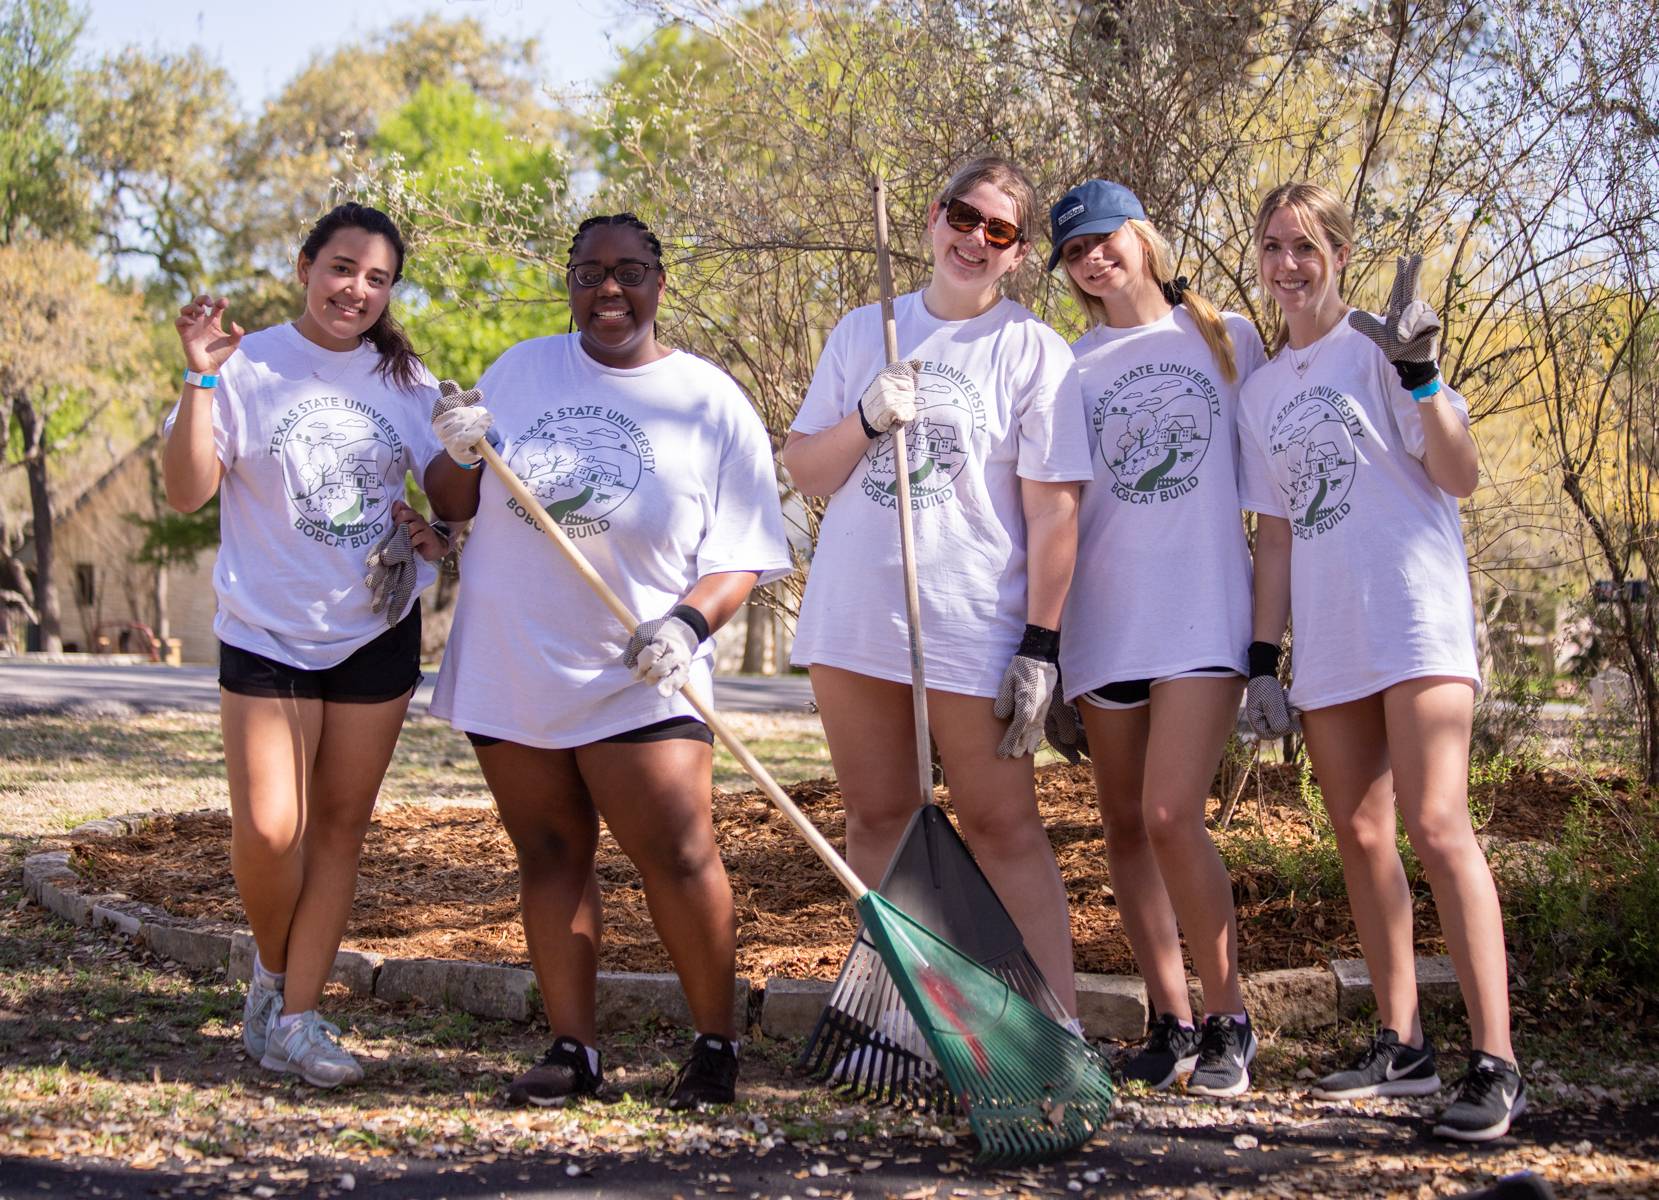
871 733
303 777
655 796
1153 768
1410 744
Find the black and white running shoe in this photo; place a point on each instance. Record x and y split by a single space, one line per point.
1226 1049
565 1073
709 1076
1489 1098
1170 1050
1388 1067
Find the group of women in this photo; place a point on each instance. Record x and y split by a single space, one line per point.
1081 556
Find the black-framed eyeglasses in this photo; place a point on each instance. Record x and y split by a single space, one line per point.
628 274
965 218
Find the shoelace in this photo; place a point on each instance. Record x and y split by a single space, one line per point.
1378 1050
1161 1036
1221 1038
1479 1084
321 1032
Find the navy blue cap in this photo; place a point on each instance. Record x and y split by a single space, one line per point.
1093 207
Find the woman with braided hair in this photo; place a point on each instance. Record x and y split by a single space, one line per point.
1355 455
1159 614
655 463
306 432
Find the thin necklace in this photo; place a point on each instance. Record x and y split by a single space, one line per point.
348 357
1303 367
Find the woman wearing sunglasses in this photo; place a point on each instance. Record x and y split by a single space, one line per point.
656 465
987 401
1159 614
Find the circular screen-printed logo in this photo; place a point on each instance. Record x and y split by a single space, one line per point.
937 443
581 466
337 462
1314 450
1152 430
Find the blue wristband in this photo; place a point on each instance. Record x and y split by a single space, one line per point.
472 466
197 379
1427 391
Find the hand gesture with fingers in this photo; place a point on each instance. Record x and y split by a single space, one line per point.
1409 330
202 333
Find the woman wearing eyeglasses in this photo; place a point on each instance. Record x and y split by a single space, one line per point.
1159 615
987 400
655 464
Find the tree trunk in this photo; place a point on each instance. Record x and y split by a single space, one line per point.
33 429
754 639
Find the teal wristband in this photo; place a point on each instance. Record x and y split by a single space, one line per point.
1426 391
197 379
472 466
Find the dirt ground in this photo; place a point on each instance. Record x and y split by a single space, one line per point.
439 881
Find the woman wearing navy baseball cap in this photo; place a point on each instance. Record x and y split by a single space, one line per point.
1156 625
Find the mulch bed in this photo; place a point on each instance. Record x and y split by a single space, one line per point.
440 882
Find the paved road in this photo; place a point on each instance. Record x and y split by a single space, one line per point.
33 685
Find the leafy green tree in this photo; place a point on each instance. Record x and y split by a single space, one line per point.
40 187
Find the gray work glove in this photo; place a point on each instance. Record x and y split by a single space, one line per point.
1063 728
660 652
1022 701
391 577
1409 330
1266 709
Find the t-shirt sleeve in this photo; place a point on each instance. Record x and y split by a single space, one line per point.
745 531
1048 413
1407 413
827 400
424 445
1257 490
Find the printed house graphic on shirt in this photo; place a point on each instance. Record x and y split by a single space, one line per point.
925 439
337 479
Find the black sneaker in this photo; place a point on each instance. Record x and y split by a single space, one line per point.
709 1075
1170 1049
1226 1049
1489 1098
562 1074
1388 1067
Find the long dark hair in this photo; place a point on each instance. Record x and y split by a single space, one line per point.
399 364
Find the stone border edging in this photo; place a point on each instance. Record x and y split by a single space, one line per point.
1300 999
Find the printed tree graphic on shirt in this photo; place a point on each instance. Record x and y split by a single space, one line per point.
1317 450
581 469
337 468
1155 430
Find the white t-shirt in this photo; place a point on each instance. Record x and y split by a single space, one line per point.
660 474
996 402
315 445
1163 570
1379 582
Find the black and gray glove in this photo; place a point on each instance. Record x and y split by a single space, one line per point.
661 651
1265 706
1022 700
1063 727
1408 332
391 577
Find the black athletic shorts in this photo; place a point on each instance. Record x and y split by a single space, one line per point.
689 728
1132 693
385 669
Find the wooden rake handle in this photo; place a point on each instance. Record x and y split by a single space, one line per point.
907 537
855 887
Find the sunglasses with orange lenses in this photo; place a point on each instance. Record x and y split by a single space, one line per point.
965 218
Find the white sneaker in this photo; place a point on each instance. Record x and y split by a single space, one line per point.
307 1047
262 1004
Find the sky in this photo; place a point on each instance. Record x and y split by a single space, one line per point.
264 43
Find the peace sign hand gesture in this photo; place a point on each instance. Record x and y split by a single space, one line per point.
1409 330
202 334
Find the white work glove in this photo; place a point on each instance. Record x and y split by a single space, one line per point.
391 577
461 421
890 399
661 651
1064 728
1265 706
